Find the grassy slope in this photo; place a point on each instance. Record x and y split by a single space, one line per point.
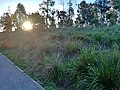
67 59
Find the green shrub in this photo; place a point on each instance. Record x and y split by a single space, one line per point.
57 36
50 86
53 70
105 75
72 47
98 36
88 56
74 70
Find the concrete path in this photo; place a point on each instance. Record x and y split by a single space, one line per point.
12 78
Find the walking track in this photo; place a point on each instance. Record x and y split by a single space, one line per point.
13 78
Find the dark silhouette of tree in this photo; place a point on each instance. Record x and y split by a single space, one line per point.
111 17
20 15
62 18
20 9
52 19
37 20
92 16
45 8
116 4
82 16
14 20
70 13
103 5
6 22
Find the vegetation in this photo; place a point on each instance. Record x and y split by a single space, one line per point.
78 59
99 13
81 54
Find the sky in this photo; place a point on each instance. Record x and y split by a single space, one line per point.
30 5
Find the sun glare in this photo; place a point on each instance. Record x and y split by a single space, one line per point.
27 26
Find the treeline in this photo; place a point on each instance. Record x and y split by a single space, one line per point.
99 13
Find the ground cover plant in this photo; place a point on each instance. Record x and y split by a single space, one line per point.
68 58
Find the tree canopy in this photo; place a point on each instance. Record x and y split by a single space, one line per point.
99 13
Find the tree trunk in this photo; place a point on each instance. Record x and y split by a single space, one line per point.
47 14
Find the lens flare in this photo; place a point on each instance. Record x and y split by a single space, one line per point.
27 26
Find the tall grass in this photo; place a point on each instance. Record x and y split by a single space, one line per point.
105 75
67 59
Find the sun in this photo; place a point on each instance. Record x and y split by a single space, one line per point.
27 26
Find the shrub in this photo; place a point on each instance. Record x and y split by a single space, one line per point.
98 36
53 70
105 75
72 47
89 56
57 36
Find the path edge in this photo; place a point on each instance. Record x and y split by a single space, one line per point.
22 71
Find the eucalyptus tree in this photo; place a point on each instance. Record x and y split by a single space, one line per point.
70 13
62 18
37 20
103 5
20 15
111 17
6 22
92 16
52 19
116 5
45 8
83 12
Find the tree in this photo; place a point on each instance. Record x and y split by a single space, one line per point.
116 4
62 2
6 22
62 18
45 9
92 14
83 12
70 13
88 14
20 15
52 19
111 17
14 20
37 20
103 5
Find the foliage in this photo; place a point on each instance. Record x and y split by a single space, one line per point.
6 22
83 12
112 17
104 75
69 58
99 13
70 13
72 47
20 9
45 9
63 59
52 19
62 16
103 6
116 4
87 14
20 15
37 20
